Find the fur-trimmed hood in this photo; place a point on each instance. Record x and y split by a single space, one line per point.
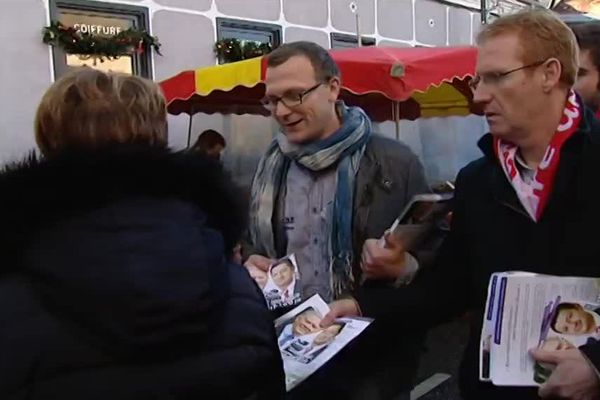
126 241
37 191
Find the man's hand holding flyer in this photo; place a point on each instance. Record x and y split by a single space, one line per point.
422 214
527 311
305 345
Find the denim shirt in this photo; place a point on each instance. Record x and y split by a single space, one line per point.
308 208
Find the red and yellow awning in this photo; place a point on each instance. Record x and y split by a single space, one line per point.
389 83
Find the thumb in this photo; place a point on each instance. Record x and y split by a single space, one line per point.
264 263
552 357
391 241
328 319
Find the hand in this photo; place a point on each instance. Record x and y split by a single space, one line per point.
258 261
573 378
341 308
237 254
383 258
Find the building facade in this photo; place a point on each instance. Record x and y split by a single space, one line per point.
188 30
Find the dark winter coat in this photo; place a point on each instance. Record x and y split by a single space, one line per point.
115 282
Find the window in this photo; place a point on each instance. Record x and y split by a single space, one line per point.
100 18
341 41
248 31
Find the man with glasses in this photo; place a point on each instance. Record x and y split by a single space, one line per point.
325 184
588 76
530 203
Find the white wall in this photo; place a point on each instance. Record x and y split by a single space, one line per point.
24 73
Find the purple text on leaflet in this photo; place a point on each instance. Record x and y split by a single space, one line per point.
498 330
492 296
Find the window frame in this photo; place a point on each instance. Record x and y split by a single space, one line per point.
225 25
337 37
142 63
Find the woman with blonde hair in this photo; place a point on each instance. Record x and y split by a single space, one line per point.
116 274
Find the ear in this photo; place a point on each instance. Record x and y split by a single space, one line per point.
552 71
335 86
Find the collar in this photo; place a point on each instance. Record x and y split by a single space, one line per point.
522 164
572 152
527 173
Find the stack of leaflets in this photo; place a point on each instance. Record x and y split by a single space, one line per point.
305 346
526 311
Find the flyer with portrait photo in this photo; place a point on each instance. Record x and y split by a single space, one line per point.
281 285
305 346
526 311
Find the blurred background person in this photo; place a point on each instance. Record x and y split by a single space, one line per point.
588 76
116 274
210 143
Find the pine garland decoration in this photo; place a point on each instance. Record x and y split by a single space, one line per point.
99 47
232 50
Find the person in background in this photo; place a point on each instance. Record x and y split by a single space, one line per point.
588 76
209 143
528 204
325 184
116 275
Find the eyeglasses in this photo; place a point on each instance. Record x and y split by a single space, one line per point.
289 100
495 78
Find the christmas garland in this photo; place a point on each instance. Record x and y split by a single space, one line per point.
99 47
232 50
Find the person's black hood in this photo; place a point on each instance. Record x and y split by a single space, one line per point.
129 246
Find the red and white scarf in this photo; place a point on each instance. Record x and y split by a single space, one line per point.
534 196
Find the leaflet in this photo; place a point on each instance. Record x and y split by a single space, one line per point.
281 284
525 311
305 346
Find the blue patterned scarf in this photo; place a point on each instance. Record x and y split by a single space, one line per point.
346 145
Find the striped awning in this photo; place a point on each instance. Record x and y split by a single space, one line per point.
389 83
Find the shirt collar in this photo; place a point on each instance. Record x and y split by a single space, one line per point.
522 164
